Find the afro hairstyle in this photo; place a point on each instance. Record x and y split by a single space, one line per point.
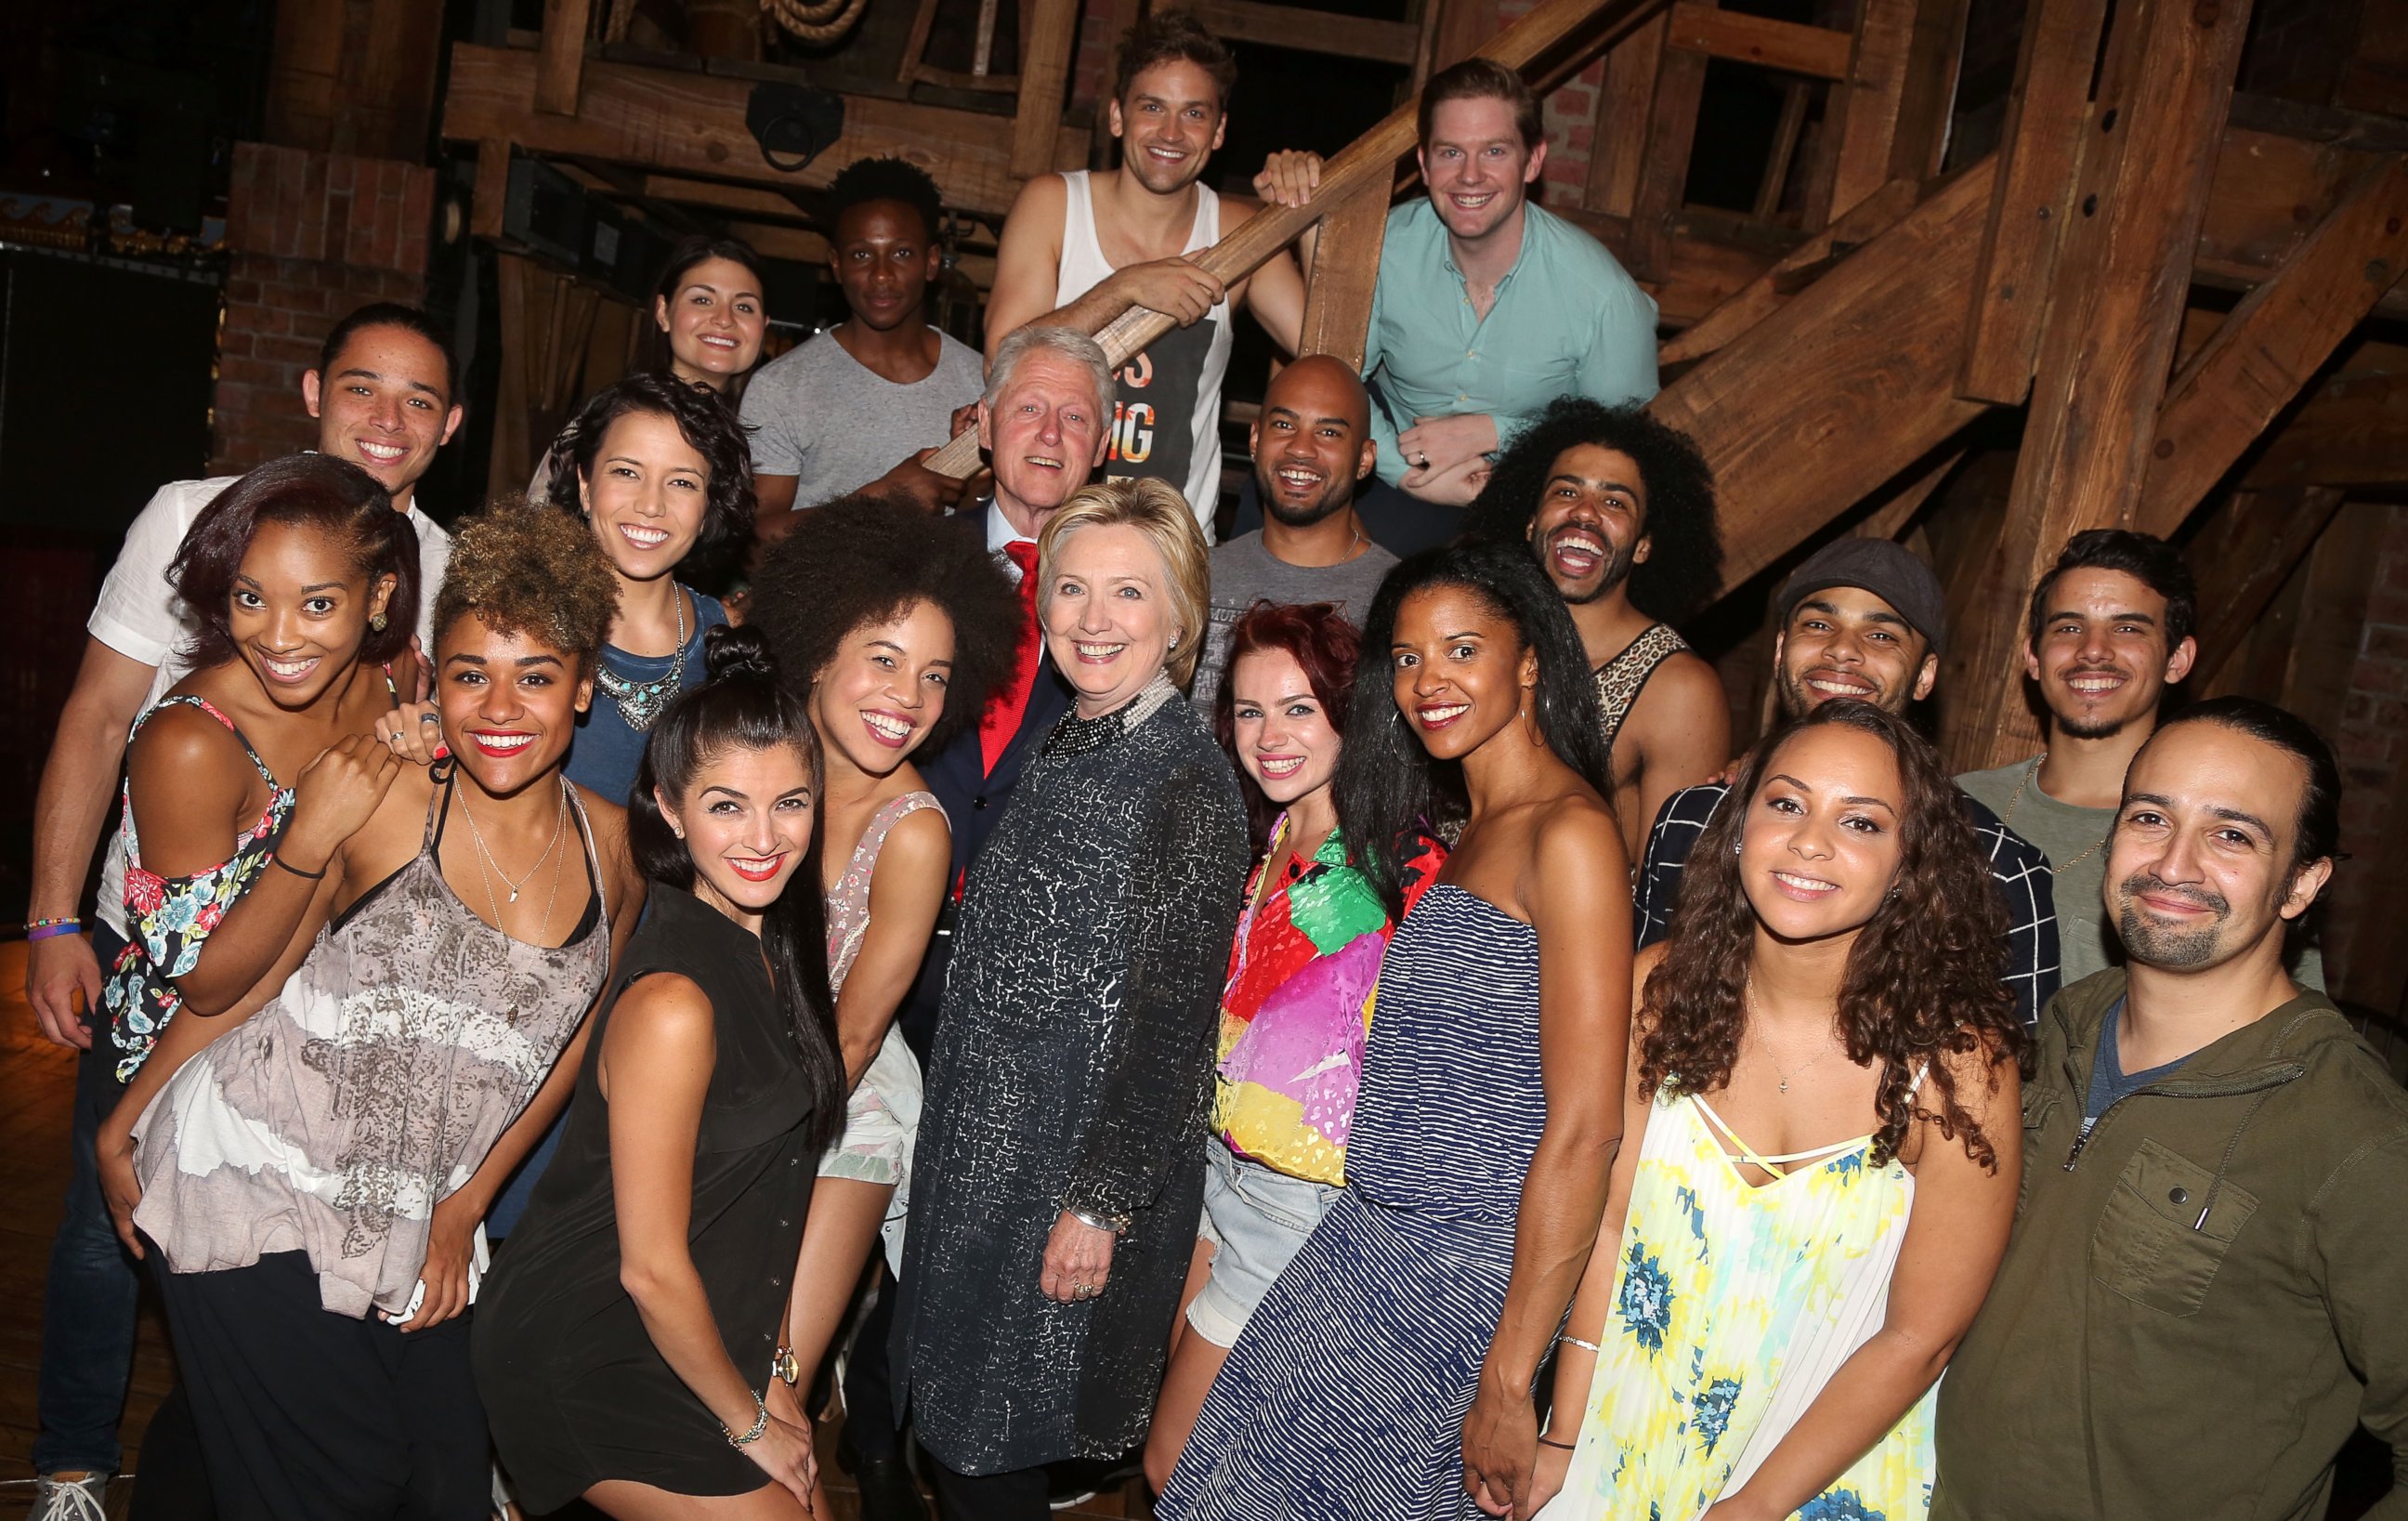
1684 557
865 559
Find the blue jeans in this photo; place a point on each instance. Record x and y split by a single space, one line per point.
88 1305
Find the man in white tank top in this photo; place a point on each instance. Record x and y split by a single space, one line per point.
1080 249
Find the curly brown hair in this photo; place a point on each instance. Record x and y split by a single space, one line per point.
521 568
1922 984
865 559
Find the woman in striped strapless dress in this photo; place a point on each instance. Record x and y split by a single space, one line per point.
1388 1373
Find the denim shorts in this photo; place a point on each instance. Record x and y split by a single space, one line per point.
1256 1220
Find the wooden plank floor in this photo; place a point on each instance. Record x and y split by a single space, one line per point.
37 1086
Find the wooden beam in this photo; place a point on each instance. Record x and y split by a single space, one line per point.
1762 297
2042 145
1866 108
2376 79
1464 27
1369 159
561 63
2113 314
1891 518
1793 98
1309 31
2244 558
1345 267
1788 46
1927 104
1841 389
490 199
2274 342
692 124
1044 77
2271 191
1664 163
2353 432
1625 102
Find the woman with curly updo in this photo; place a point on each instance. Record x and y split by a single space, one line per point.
891 626
1821 1154
313 1178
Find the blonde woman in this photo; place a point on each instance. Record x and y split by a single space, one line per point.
1060 1162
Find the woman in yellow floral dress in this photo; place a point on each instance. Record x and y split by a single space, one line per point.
1819 1159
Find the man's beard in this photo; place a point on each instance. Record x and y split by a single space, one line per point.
2099 727
1334 499
2153 945
1617 570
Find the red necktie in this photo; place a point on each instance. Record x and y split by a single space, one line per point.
1009 703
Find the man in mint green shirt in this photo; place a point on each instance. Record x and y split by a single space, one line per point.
1489 307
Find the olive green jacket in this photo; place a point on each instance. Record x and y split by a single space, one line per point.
2203 1295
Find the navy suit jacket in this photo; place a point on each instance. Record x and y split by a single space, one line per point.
974 797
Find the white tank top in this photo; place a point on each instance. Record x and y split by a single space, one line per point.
1167 413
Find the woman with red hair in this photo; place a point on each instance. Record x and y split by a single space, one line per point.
1297 1003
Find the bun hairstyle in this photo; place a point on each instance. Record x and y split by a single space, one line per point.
316 491
741 706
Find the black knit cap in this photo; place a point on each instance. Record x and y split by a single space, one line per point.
1888 570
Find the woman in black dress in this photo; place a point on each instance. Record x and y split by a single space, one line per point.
627 1336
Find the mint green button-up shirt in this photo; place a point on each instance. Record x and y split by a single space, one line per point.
1568 320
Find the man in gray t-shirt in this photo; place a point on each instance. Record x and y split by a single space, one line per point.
859 404
1312 447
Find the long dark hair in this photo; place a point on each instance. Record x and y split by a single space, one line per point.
740 706
1329 651
1389 790
1922 982
705 420
316 491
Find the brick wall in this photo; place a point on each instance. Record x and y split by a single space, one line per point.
2372 742
310 236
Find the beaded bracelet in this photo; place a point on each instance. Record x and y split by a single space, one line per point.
44 929
760 1424
1569 1340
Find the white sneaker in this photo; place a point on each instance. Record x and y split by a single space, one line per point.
70 1499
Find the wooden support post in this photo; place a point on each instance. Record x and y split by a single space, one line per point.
1664 166
560 65
1045 77
2354 431
2042 148
2115 312
1626 102
1935 58
1464 28
1866 108
1892 517
1345 268
2273 342
2243 559
1762 297
1785 147
1867 354
491 193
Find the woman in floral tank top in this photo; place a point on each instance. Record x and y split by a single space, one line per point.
1297 1003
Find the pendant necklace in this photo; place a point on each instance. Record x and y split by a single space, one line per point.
1829 1042
485 857
642 703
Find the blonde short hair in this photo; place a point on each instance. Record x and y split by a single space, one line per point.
1156 509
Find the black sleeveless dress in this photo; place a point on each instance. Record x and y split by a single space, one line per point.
572 1385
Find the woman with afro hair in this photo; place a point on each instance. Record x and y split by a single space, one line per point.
891 626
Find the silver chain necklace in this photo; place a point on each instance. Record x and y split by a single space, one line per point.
1831 1042
485 857
642 703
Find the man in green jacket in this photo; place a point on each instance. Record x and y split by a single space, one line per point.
2208 1285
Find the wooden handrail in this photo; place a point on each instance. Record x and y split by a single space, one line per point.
1372 156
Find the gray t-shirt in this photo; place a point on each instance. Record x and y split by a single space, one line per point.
1245 573
2086 941
833 423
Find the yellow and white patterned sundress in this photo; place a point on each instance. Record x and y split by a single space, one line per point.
1733 1305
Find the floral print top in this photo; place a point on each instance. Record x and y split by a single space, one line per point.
1296 1011
171 917
1734 1302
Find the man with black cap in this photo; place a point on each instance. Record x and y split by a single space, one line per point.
1864 619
